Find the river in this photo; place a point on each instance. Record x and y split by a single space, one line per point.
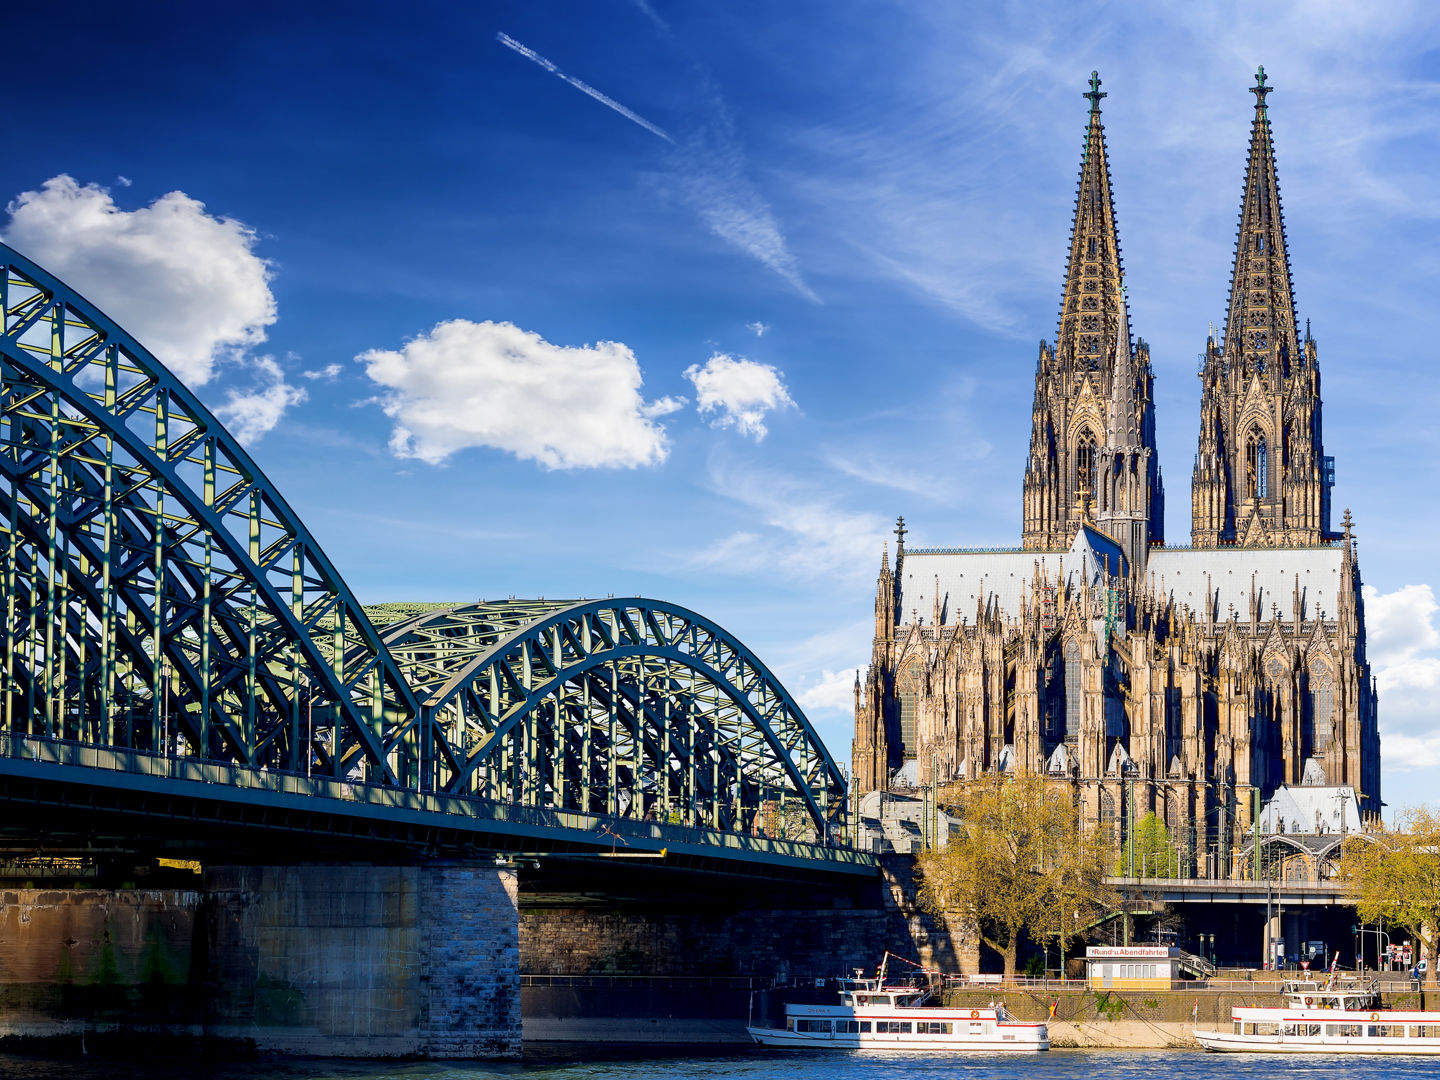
754 1065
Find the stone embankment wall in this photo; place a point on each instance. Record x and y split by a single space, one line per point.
353 961
1156 1020
760 934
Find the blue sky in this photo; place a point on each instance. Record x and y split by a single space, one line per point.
699 320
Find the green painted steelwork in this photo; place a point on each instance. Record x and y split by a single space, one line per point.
626 707
159 597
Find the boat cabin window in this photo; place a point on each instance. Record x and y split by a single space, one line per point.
1390 1031
851 1027
1348 1031
875 999
804 1023
925 1027
892 1027
1425 1031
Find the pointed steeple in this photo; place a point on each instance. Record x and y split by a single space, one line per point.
1076 415
1260 325
1088 313
1261 476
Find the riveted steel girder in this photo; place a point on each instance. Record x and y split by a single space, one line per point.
157 592
630 707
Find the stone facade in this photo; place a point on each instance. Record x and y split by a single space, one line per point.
1191 682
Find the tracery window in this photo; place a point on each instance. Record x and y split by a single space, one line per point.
907 689
1072 692
1322 707
1256 465
1085 462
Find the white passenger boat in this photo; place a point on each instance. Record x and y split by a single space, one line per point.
874 1016
1337 1016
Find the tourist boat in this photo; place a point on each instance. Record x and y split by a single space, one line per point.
1339 1016
875 1016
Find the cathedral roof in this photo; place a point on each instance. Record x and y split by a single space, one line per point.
1097 552
1004 577
1231 571
1314 810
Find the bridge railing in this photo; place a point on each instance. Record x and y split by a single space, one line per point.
609 831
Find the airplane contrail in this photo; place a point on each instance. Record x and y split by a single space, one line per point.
609 102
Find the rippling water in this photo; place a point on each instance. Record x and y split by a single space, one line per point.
760 1065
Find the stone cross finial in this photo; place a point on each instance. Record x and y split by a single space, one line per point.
1094 93
900 532
1260 89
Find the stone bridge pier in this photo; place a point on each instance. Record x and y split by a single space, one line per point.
366 961
342 960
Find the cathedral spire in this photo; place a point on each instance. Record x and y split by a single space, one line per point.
1260 324
1261 475
1079 408
1092 274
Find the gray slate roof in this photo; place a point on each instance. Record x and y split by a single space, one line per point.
1182 572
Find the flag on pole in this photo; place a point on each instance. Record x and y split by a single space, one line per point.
1053 1006
1195 1011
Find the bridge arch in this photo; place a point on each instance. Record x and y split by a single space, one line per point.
631 707
158 594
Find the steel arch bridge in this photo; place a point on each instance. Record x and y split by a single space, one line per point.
161 598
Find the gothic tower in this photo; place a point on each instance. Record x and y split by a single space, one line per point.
1261 475
1093 408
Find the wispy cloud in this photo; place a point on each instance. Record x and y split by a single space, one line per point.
794 529
709 172
583 87
712 177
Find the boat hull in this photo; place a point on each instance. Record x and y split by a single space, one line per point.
1022 1041
1228 1042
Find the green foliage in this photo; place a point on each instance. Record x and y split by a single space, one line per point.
1035 966
1111 1008
1020 864
1149 852
1395 876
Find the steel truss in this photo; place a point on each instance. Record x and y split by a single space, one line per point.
159 595
628 707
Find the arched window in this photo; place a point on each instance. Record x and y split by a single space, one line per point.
907 689
1257 461
1085 462
1072 692
1322 707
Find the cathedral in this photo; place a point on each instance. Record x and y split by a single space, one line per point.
1188 681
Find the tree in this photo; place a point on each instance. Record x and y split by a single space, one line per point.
1149 851
1021 863
1395 875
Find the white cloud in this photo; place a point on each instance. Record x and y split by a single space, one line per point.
759 329
328 372
465 384
740 392
835 690
1403 645
249 414
188 285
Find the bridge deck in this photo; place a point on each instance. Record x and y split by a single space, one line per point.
58 774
